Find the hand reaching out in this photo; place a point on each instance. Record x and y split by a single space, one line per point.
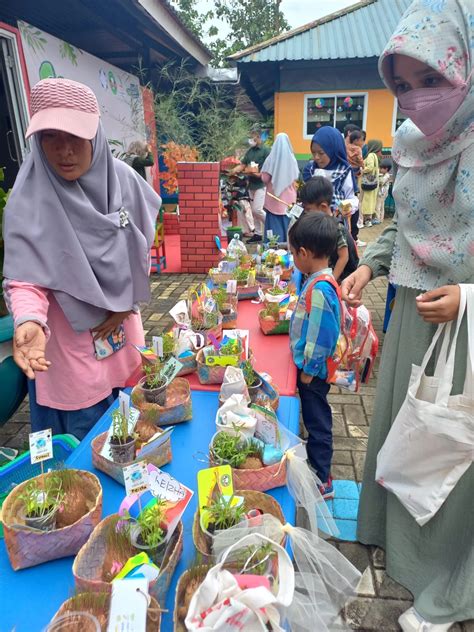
440 305
29 349
352 287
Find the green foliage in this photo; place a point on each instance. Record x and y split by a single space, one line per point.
120 430
255 558
232 347
194 111
241 275
223 515
249 22
274 241
221 297
41 496
33 36
150 521
229 448
68 52
153 375
251 378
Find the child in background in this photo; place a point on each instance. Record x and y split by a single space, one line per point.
384 185
316 195
314 334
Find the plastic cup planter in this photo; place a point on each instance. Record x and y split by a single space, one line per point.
84 621
149 533
154 389
41 503
122 443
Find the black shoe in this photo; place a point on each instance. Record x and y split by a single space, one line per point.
254 239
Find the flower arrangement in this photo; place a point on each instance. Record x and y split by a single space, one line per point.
172 154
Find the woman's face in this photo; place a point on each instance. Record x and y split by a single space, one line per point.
319 155
69 156
411 74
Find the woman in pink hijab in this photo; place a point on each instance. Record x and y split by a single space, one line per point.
78 229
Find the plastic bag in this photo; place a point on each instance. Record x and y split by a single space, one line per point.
219 604
234 384
236 248
324 578
235 414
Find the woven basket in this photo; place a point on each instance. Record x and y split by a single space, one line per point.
29 548
200 573
271 327
219 278
88 565
262 479
159 457
178 404
229 321
79 603
252 500
209 374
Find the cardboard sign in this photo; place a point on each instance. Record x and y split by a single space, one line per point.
128 605
267 426
136 478
231 286
212 482
41 446
157 345
171 369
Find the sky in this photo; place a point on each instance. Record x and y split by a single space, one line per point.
298 12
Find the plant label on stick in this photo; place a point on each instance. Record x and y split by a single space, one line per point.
269 233
171 369
128 605
41 446
136 478
124 404
157 345
231 286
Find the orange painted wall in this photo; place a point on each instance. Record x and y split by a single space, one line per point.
289 117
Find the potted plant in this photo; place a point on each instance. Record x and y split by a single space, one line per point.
154 385
224 513
252 380
148 531
273 242
223 300
41 501
169 345
241 275
235 450
122 441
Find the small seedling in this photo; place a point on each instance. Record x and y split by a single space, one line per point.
251 378
223 514
41 498
120 432
150 521
153 375
229 448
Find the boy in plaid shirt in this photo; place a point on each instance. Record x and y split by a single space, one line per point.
314 331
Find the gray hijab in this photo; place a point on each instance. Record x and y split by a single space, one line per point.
88 241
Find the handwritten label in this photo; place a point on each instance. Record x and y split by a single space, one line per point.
171 369
136 478
231 286
269 233
157 345
267 426
41 446
128 605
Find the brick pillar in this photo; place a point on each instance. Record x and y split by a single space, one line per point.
198 214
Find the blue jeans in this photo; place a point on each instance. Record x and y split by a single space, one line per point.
75 422
317 418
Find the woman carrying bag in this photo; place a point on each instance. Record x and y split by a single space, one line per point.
370 181
428 254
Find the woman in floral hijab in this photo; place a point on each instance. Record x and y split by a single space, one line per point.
427 253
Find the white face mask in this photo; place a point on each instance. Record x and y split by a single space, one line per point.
252 142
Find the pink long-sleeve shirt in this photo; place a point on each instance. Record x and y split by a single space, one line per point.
75 379
272 205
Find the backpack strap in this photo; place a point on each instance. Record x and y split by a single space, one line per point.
322 277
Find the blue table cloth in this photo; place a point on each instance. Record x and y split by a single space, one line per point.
30 597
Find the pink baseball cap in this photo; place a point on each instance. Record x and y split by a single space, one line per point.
65 105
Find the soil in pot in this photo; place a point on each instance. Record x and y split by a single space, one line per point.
122 452
189 591
251 463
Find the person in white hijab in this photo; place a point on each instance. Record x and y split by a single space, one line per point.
427 252
279 173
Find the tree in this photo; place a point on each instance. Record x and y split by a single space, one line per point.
249 22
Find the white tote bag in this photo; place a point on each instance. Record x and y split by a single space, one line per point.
431 442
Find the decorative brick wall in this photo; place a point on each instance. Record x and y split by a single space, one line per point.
198 214
171 222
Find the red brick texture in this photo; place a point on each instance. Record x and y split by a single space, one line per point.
198 215
171 222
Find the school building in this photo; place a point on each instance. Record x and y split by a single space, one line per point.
325 73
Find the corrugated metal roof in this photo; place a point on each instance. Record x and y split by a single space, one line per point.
361 30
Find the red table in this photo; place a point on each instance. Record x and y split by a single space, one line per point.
272 354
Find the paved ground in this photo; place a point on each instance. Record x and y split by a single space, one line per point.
380 600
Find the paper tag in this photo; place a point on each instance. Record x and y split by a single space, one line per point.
41 445
231 286
155 442
124 404
157 345
209 305
136 478
269 233
171 369
267 426
128 605
180 313
277 270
